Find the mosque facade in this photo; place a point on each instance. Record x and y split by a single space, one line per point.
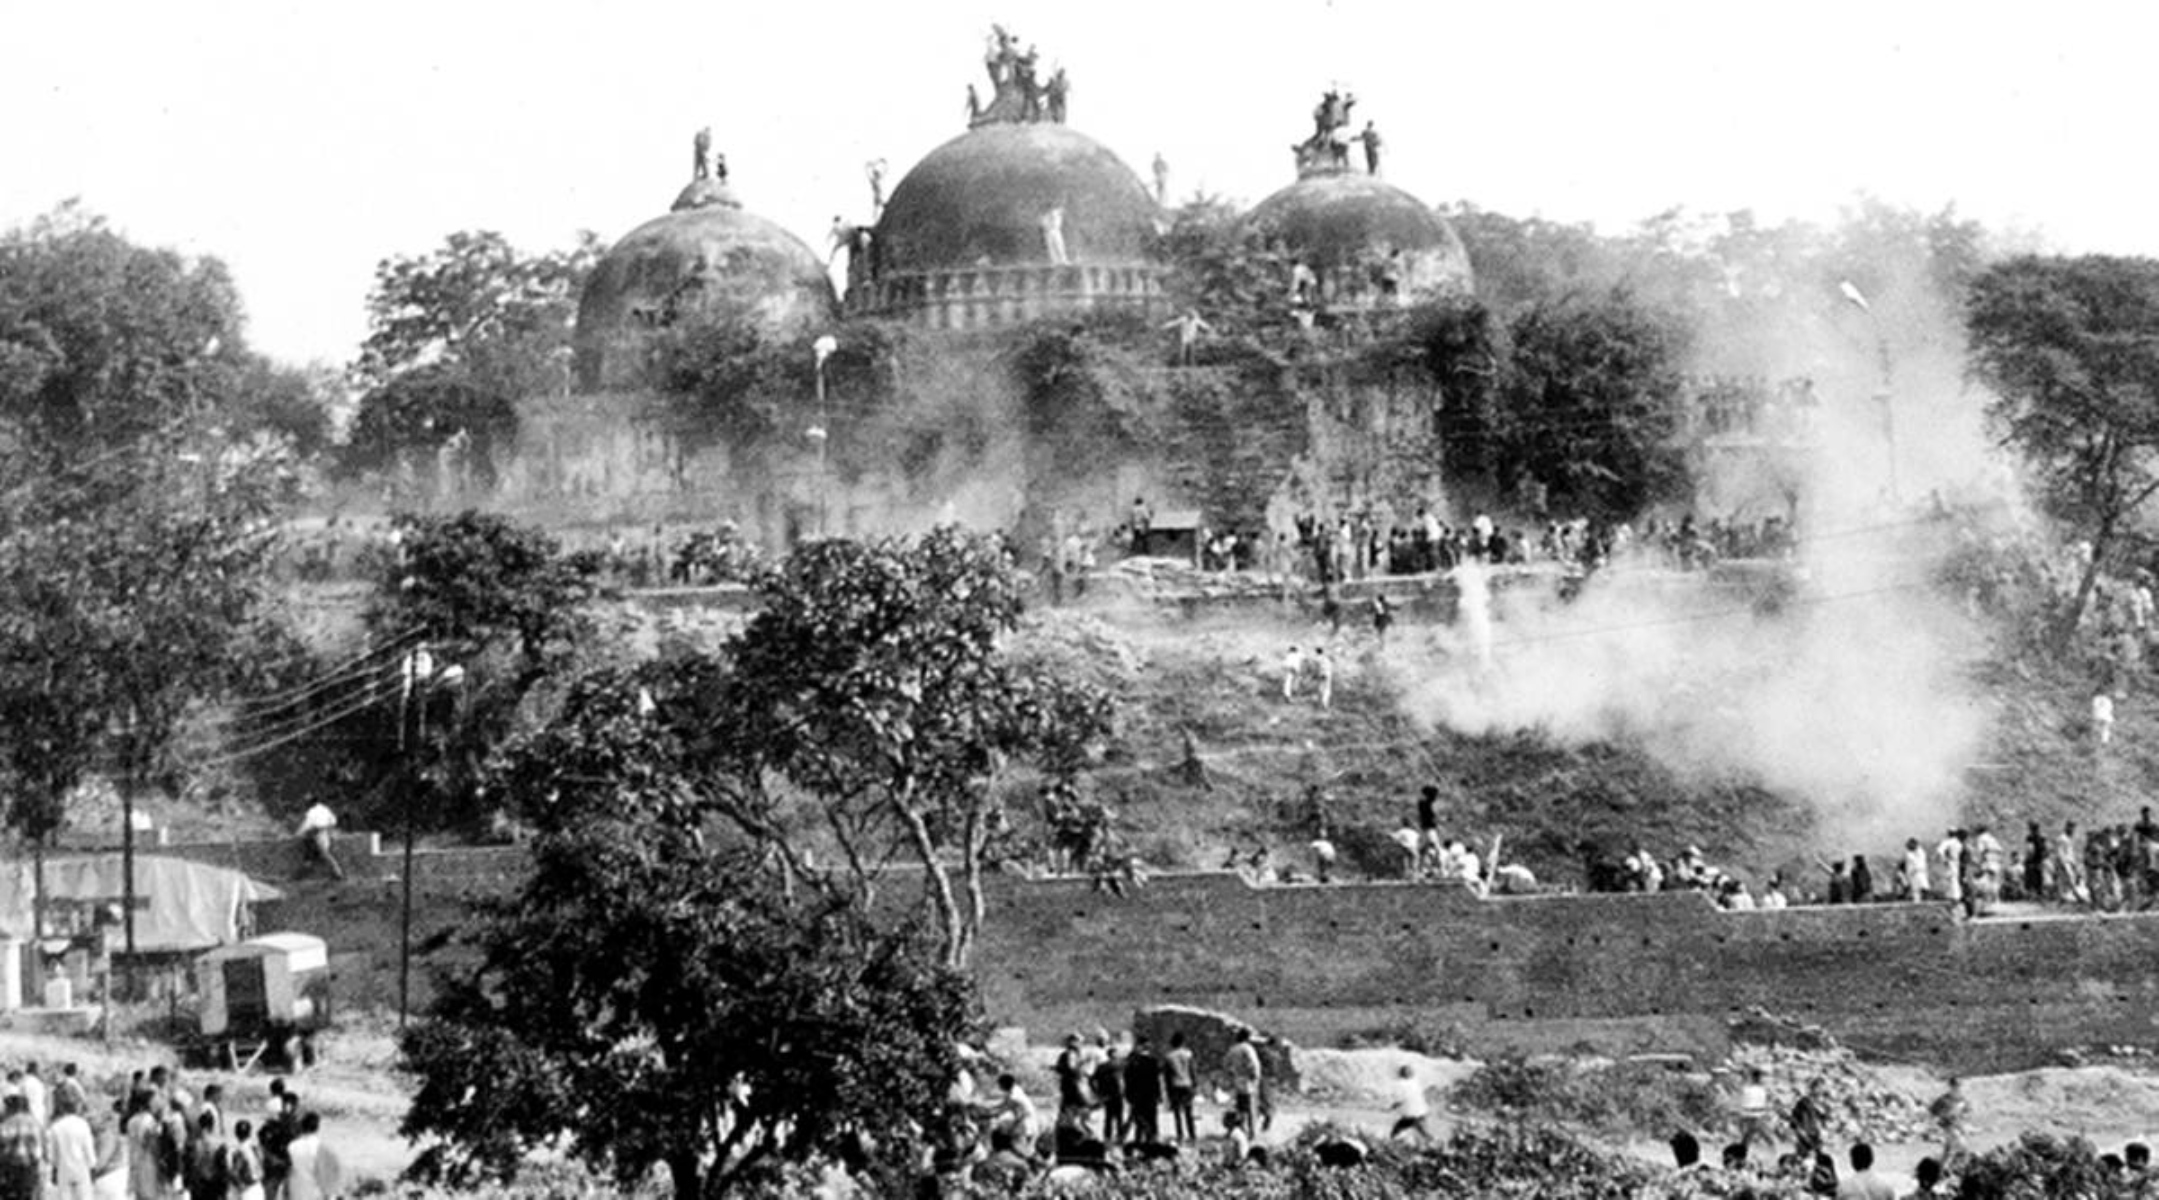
1018 221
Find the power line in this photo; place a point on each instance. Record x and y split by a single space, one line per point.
349 670
381 692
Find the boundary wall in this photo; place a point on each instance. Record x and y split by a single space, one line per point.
1616 974
1612 973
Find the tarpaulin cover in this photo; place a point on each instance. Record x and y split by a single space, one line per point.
180 905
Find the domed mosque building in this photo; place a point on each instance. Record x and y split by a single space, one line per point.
706 257
1359 242
1018 218
613 451
1014 222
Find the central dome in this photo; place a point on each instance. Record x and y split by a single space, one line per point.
980 200
1344 224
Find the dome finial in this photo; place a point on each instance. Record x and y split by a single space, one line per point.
1015 96
708 177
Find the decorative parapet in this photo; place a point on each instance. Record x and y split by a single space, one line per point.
995 297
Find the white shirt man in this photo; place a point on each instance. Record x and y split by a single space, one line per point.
2103 717
1951 855
34 1091
1916 883
316 1174
1414 1106
1292 667
1016 1111
74 1156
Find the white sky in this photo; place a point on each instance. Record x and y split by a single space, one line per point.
302 142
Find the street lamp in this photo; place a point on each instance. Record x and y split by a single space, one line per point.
1886 397
421 676
818 433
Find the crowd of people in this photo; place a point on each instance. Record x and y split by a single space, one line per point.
1370 543
156 1140
2110 868
1123 1103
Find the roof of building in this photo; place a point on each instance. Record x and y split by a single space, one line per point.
708 256
981 200
1339 218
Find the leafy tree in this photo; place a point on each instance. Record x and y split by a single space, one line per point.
476 582
872 680
1590 405
131 588
1227 270
2070 347
499 600
648 998
455 337
133 523
868 705
104 343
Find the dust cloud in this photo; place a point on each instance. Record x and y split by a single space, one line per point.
1839 678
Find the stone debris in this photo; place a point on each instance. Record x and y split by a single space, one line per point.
1862 1106
1210 1035
1087 637
1170 579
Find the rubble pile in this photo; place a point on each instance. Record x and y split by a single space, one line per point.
1169 580
1210 1034
1080 637
1861 1105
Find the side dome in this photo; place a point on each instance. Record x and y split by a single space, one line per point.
708 256
1363 237
981 199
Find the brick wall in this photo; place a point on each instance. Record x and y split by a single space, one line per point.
1625 973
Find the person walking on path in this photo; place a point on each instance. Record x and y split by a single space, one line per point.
1414 1106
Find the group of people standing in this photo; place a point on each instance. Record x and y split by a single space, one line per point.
159 1141
1112 1098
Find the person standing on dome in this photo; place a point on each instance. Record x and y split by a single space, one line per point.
1053 235
1370 138
1188 326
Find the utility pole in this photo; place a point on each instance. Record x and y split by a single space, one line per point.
420 677
821 432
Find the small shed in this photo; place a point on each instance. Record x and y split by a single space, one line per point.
1173 533
266 988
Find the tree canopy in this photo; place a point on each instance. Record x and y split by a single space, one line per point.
2070 347
136 517
1589 405
499 600
648 998
455 337
104 342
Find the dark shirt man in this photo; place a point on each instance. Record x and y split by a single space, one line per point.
1809 1120
1109 1090
2035 862
205 1172
1143 1092
22 1151
278 1130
